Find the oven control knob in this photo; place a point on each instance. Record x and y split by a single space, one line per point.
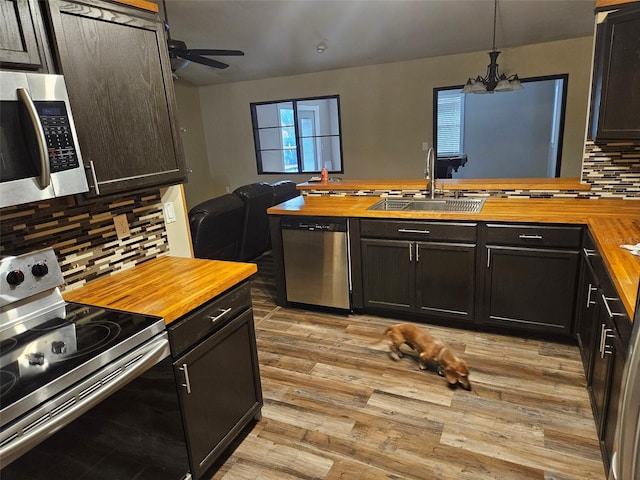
36 358
15 277
39 269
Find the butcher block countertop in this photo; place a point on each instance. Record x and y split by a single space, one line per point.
611 222
167 287
450 184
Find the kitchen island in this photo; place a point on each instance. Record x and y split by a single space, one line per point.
611 222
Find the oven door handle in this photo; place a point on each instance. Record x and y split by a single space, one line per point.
52 420
45 173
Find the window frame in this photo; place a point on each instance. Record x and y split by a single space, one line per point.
299 138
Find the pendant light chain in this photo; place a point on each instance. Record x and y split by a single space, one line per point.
495 12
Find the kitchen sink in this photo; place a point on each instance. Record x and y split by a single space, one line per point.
471 205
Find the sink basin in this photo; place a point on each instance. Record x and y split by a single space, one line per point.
471 205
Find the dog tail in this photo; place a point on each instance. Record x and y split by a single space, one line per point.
382 337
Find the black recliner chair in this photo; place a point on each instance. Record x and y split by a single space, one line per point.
257 197
216 227
284 190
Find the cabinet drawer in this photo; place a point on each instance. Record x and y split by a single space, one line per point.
534 235
412 230
200 323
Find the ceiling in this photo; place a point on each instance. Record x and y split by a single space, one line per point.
279 37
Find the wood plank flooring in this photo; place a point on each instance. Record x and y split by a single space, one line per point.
336 406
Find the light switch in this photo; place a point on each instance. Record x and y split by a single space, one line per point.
169 213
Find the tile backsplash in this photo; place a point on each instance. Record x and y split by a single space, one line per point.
613 169
83 234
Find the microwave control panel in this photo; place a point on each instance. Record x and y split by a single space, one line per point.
57 131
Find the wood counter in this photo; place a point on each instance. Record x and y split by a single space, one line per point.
167 287
612 223
542 184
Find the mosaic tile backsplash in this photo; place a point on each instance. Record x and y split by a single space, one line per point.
83 234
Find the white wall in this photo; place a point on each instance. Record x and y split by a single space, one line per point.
386 112
199 186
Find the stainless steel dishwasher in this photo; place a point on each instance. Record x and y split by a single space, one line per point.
316 261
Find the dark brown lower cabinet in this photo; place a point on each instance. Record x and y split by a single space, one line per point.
432 278
532 288
609 354
218 376
587 308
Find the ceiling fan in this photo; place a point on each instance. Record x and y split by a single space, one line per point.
180 55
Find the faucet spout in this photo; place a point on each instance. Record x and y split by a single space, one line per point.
431 167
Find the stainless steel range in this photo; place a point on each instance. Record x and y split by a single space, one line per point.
61 361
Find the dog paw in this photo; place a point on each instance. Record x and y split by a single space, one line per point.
394 355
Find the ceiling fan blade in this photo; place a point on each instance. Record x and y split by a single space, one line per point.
215 52
202 60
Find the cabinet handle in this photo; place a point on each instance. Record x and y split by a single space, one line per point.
605 335
606 301
92 168
417 252
488 257
588 253
525 236
216 318
602 327
410 252
409 230
589 301
187 383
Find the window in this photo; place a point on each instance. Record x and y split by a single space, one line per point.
450 122
516 134
298 136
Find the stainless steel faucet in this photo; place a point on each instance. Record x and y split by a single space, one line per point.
430 171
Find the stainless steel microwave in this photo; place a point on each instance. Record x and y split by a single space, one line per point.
39 153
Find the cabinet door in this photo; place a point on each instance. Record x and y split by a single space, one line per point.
586 319
115 64
445 274
220 393
19 35
618 354
616 81
529 288
602 368
388 279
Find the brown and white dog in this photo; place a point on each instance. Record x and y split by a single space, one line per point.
429 350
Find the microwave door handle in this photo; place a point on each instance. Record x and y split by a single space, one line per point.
45 177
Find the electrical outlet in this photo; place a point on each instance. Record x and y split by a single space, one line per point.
122 226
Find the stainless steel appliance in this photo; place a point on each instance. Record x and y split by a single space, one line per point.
625 462
39 153
316 261
85 392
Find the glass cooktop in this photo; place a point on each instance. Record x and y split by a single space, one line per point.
41 360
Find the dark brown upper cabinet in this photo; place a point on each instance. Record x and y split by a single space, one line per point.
115 62
21 36
615 94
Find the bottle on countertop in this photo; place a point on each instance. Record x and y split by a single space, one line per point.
324 175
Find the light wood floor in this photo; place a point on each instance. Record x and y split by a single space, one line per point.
337 407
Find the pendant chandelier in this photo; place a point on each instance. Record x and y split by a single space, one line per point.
493 81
